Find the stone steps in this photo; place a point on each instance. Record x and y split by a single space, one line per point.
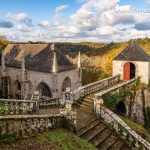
86 110
87 127
101 136
117 145
95 131
90 134
108 142
87 105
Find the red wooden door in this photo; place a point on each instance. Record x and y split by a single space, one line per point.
127 71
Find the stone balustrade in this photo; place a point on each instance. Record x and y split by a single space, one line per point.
112 90
50 102
94 87
126 133
19 125
14 107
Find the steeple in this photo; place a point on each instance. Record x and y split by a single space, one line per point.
23 67
54 66
52 47
3 65
80 68
25 82
54 71
79 60
23 62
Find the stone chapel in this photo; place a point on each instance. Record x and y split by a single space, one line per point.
26 68
132 62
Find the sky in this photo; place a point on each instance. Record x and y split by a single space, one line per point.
74 20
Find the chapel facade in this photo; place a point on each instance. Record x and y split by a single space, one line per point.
132 62
26 68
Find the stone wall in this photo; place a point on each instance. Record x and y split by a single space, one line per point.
135 106
37 77
138 106
134 140
142 69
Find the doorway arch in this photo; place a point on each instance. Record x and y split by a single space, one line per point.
17 90
121 108
44 90
129 71
66 84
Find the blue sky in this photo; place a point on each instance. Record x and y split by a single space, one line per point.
74 20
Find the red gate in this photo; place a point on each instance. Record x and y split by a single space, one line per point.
127 71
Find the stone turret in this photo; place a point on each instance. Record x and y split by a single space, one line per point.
55 67
54 72
5 79
23 67
25 82
80 68
3 65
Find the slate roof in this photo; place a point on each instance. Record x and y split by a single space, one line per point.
133 53
38 57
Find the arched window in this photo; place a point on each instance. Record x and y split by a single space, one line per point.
44 90
17 88
66 84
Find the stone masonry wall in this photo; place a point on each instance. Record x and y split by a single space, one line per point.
138 106
37 77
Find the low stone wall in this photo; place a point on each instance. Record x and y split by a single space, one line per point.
94 87
53 102
115 89
20 125
24 107
14 107
123 130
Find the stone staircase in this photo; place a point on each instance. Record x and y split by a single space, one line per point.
86 104
93 130
101 136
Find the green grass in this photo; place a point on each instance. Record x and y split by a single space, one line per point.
55 139
65 140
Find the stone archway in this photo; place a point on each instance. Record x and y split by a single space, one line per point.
44 90
66 84
17 90
129 71
121 108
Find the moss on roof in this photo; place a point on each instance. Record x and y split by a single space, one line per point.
133 53
38 57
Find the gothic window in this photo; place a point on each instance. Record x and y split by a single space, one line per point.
17 88
66 84
44 90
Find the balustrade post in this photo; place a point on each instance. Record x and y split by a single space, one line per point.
36 98
70 116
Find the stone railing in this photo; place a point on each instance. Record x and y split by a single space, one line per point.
14 107
50 103
126 133
94 87
115 89
19 125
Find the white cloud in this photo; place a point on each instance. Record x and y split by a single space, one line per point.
20 17
22 28
94 21
45 24
148 1
60 8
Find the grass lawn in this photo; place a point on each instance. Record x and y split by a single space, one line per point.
57 139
